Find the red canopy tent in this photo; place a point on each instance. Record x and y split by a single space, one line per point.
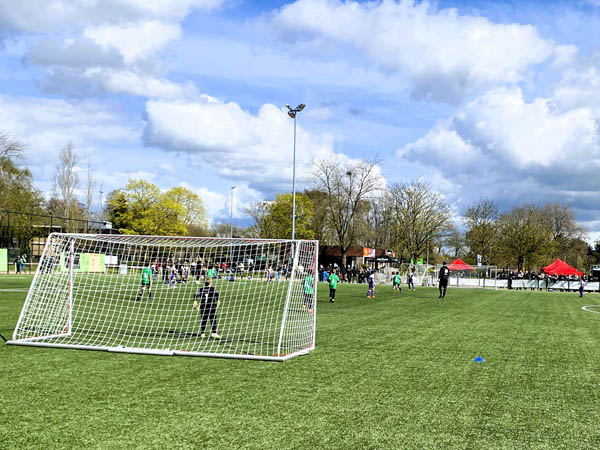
458 264
561 268
555 263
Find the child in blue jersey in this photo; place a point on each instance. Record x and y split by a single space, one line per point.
173 278
410 279
371 282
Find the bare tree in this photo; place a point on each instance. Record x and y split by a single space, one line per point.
347 187
420 216
10 148
482 235
454 240
67 180
564 230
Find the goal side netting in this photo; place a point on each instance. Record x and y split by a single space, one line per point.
239 298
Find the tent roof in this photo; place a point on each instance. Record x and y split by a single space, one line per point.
459 264
561 268
553 264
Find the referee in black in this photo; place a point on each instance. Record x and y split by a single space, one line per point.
209 301
443 276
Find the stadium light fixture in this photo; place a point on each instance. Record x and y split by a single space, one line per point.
293 112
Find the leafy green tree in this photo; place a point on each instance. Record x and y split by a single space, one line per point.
140 208
17 194
193 207
274 219
525 237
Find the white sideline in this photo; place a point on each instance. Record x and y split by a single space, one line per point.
585 308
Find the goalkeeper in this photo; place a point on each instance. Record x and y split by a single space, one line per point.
444 275
146 282
209 302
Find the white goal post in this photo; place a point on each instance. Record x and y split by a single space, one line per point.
235 298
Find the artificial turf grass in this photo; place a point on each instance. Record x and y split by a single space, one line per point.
392 372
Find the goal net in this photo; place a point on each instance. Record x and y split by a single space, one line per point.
471 276
238 298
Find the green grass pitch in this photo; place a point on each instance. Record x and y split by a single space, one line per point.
393 372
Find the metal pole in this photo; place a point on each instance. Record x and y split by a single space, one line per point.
231 214
294 186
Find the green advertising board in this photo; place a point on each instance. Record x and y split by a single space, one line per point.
3 260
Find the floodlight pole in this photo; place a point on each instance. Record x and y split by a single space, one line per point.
293 113
294 185
231 214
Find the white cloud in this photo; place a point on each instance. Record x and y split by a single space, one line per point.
43 16
47 125
501 146
128 82
236 143
580 87
446 55
134 41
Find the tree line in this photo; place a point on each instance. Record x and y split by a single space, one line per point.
348 203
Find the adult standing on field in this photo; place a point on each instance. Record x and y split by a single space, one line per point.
333 281
209 302
444 275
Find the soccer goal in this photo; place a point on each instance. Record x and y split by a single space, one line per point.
471 276
236 298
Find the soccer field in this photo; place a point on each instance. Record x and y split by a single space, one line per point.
393 372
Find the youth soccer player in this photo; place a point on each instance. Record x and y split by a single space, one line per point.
211 272
209 302
146 282
396 282
443 276
308 292
410 279
333 281
371 282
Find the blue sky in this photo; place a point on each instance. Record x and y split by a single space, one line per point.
481 99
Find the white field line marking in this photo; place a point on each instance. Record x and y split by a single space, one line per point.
585 308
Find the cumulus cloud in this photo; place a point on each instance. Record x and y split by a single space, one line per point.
45 16
256 148
503 147
580 86
446 55
47 125
112 46
134 41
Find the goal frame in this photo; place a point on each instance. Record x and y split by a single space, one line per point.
38 341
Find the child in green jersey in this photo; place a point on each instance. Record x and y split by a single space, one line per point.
396 281
308 292
333 281
146 282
